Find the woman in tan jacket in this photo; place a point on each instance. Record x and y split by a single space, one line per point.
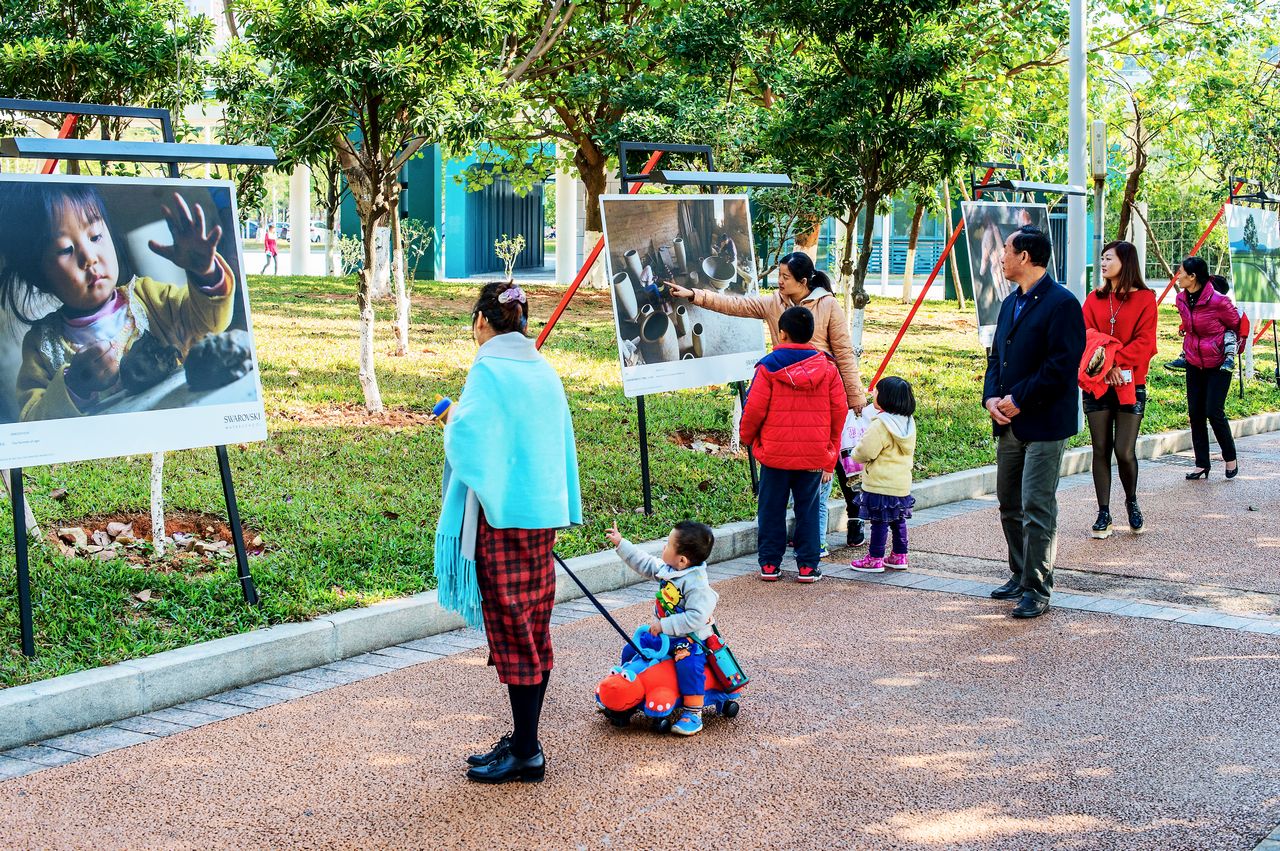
799 283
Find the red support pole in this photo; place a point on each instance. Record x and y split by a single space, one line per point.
1265 329
955 234
590 261
1204 237
68 127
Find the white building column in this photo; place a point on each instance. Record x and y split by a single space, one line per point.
566 226
299 219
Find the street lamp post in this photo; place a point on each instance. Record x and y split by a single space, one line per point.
1076 151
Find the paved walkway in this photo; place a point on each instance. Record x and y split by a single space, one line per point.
896 711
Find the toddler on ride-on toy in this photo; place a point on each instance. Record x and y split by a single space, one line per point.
677 641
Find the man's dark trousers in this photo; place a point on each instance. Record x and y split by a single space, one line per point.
1027 488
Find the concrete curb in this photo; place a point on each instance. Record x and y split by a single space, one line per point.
100 696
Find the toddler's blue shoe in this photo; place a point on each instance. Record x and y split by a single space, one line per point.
690 722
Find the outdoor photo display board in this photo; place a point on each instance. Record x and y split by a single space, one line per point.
987 224
1254 237
124 319
695 241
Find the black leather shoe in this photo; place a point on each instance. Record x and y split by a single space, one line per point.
1135 515
1011 590
1030 607
1232 473
508 767
1102 526
499 748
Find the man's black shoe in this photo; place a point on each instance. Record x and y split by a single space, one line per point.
499 748
1030 607
854 535
508 767
1011 590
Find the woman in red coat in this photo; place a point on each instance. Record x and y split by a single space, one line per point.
1123 308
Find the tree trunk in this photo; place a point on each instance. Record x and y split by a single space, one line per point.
380 280
860 297
1134 180
364 301
158 537
951 255
591 164
33 529
808 242
402 292
331 266
1131 186
908 274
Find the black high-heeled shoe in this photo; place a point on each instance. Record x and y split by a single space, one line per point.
1231 474
1198 474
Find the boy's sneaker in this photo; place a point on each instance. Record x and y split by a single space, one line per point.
690 722
770 572
809 574
868 564
1179 363
896 561
855 536
1229 364
824 552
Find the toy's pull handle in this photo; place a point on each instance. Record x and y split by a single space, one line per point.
713 642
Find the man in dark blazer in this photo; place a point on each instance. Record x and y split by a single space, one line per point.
1030 393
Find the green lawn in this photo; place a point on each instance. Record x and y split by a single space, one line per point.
347 505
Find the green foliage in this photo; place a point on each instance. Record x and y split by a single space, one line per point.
871 105
123 52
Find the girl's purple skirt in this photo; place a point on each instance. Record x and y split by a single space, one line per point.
879 508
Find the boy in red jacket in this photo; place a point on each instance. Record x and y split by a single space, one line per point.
792 422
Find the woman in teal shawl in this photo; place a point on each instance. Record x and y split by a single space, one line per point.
511 480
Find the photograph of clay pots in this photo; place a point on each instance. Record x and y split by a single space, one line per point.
124 319
691 241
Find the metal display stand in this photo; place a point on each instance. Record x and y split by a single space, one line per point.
171 152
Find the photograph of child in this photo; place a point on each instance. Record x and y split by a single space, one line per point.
120 296
986 225
691 241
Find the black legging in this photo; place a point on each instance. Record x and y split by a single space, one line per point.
526 708
1206 398
1114 433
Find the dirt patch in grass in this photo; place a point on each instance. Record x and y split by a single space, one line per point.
352 415
708 443
194 535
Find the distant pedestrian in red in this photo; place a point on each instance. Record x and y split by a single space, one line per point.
269 245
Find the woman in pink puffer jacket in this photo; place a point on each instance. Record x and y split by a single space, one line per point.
1207 316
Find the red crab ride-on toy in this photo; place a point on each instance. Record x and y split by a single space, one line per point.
646 680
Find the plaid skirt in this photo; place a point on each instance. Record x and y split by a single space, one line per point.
517 578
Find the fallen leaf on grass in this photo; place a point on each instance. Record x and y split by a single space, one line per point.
101 538
143 596
391 515
59 494
74 535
